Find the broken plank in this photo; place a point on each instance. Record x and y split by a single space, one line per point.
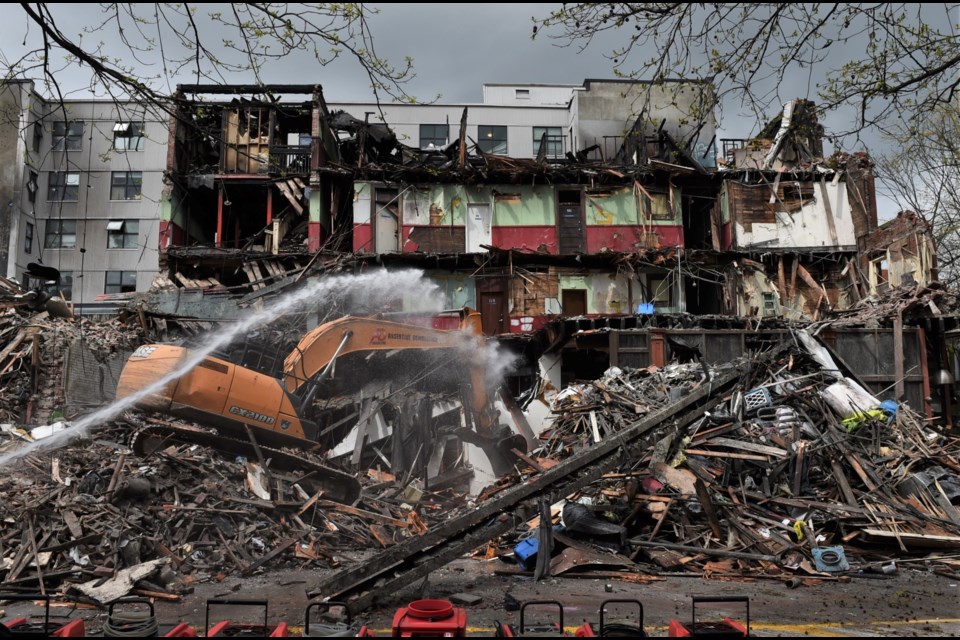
703 495
336 506
285 190
157 595
828 211
719 553
913 540
724 454
748 446
73 523
280 548
530 461
841 479
309 503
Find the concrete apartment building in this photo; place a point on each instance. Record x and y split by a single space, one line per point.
81 185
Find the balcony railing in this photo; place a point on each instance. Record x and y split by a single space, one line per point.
290 159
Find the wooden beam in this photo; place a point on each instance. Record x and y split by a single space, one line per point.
781 278
703 495
898 354
831 223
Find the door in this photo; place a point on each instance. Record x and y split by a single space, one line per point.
570 232
574 302
478 227
386 221
492 312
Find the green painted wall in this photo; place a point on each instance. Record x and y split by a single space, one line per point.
618 207
518 206
606 293
458 289
450 200
515 205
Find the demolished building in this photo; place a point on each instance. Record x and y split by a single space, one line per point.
625 218
597 243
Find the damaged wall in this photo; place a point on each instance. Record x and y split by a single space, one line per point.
455 218
900 252
781 213
625 218
804 293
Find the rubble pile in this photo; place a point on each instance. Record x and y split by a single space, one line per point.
32 351
797 469
86 513
916 302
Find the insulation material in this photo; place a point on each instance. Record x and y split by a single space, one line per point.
848 398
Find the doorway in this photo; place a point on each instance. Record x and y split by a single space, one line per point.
570 226
386 221
574 302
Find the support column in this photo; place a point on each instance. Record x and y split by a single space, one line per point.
219 239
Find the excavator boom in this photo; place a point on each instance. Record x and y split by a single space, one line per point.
231 397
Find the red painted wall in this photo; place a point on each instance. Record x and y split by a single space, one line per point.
171 234
528 238
315 236
627 237
362 238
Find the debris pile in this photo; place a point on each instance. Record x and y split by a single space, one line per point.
914 302
797 469
84 514
33 348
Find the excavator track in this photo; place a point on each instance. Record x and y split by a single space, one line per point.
336 485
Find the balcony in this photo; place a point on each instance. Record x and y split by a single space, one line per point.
290 160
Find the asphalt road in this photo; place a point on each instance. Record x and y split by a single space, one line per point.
908 603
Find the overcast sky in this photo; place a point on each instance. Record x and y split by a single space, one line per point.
455 49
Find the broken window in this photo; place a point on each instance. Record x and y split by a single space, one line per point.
433 136
659 291
120 282
128 136
60 234
33 185
68 136
123 234
552 138
126 185
28 238
493 139
659 204
37 136
63 186
879 275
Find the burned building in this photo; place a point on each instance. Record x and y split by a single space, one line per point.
605 202
243 183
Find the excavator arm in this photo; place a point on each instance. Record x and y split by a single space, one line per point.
316 355
233 398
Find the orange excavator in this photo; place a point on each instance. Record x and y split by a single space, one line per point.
335 357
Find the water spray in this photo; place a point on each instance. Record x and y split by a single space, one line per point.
367 288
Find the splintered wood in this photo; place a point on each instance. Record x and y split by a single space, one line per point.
766 476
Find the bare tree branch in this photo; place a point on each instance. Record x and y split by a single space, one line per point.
886 60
